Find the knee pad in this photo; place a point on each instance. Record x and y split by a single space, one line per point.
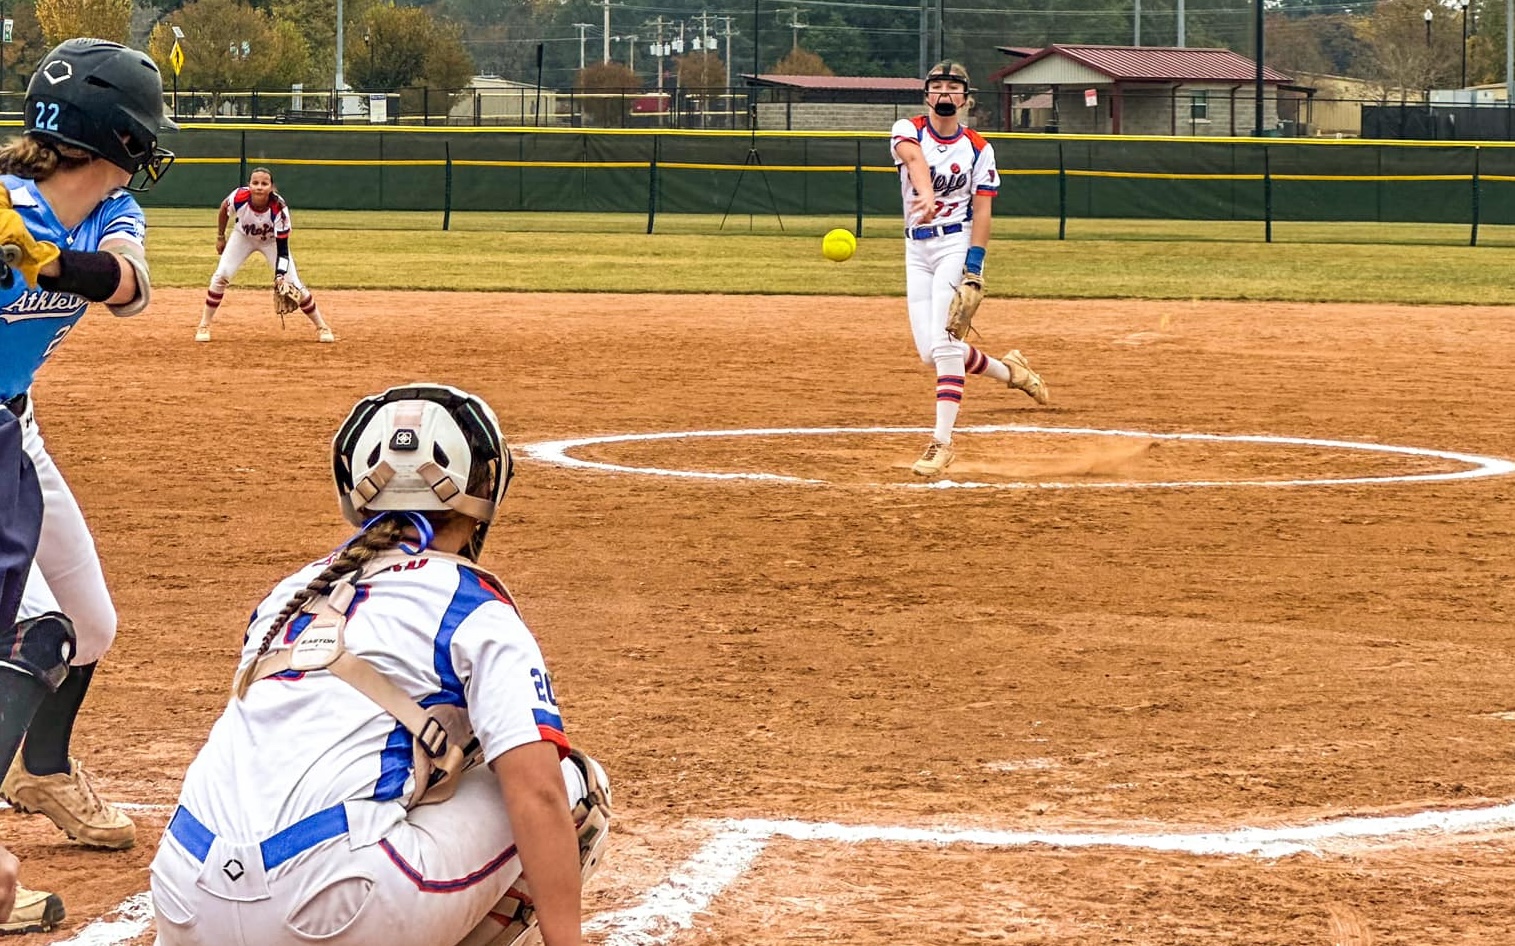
40 647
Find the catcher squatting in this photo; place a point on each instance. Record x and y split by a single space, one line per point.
338 798
93 114
262 225
948 181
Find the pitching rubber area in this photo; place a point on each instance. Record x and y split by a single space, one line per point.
1216 647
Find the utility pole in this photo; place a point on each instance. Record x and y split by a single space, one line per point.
606 55
582 27
1136 40
1180 24
794 24
729 32
658 49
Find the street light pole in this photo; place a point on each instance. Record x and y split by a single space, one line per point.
1428 15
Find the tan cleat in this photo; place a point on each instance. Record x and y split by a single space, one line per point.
70 802
35 912
938 457
325 335
202 334
1022 378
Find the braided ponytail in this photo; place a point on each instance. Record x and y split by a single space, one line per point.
382 536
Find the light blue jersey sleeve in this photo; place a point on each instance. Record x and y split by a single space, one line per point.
34 322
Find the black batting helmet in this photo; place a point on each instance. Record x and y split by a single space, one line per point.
105 98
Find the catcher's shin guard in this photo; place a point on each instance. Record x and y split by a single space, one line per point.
37 654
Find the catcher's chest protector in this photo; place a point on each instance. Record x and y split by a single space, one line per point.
443 743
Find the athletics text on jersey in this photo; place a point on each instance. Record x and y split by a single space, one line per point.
263 225
34 322
961 167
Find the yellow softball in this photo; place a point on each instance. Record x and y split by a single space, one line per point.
838 245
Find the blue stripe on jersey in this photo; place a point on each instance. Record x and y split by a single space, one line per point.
34 321
471 594
394 765
548 718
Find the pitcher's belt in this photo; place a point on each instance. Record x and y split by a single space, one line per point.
295 839
926 233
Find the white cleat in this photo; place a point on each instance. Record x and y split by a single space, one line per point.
202 334
325 335
1022 378
937 457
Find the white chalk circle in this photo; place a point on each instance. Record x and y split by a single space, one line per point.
1468 466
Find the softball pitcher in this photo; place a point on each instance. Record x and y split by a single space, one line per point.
262 225
948 179
93 114
337 798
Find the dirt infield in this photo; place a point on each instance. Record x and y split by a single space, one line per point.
1078 646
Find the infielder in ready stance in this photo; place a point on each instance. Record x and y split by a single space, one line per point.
949 181
334 800
261 225
92 117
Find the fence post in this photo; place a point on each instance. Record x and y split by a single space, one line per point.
1473 237
1062 195
1267 198
447 185
858 178
243 169
652 181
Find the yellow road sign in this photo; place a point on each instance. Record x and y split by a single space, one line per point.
176 58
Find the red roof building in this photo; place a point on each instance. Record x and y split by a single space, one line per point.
1152 90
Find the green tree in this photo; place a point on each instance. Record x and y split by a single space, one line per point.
103 19
394 48
214 61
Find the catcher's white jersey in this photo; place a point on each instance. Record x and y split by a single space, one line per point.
263 225
961 166
441 631
290 824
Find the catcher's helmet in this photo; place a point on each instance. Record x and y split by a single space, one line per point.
422 448
106 99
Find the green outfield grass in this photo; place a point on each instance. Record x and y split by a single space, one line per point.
695 254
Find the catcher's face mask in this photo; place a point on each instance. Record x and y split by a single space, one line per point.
422 448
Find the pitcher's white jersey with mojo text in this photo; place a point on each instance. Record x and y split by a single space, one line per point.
961 167
301 743
262 226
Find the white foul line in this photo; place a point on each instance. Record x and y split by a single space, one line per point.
557 452
671 907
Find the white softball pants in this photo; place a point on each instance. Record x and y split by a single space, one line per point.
427 878
933 268
66 574
239 249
